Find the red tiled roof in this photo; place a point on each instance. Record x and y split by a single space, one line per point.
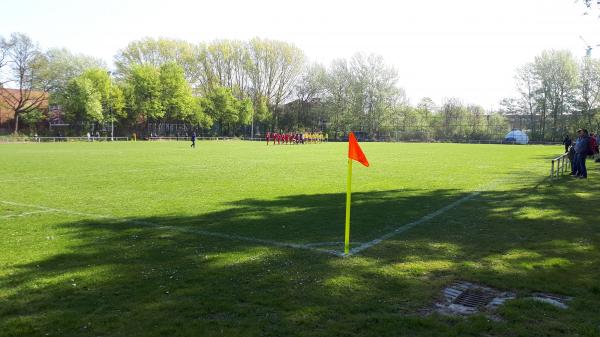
6 113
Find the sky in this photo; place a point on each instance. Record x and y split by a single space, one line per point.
468 49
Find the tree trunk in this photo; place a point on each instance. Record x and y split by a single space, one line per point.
16 123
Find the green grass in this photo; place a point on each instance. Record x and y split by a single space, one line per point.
129 260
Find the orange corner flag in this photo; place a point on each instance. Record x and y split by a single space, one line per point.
354 150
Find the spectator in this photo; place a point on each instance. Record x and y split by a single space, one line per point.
581 152
571 156
597 144
567 142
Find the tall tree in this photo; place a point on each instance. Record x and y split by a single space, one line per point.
557 73
145 93
273 69
156 52
62 66
528 89
82 102
176 93
589 89
25 63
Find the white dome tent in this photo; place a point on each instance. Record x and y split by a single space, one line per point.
516 136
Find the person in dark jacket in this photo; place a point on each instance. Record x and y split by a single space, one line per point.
581 152
193 140
571 156
567 142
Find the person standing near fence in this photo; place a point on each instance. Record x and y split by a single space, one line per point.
193 145
567 142
598 144
581 152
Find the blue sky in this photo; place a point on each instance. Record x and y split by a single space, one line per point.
465 48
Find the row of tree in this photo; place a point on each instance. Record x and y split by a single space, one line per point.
230 87
557 94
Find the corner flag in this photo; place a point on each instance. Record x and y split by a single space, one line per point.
354 150
354 153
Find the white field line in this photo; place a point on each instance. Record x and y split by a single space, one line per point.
309 246
66 211
183 229
426 218
408 226
24 214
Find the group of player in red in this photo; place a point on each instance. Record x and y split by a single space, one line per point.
294 138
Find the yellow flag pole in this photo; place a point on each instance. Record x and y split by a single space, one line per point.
348 193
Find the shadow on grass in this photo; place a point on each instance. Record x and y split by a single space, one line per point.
118 277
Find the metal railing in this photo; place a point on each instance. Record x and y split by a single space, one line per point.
558 166
13 139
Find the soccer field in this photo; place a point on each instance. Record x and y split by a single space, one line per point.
242 239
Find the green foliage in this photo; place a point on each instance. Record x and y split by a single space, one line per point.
146 91
157 52
91 98
82 101
199 116
62 66
176 94
228 111
245 111
262 113
33 117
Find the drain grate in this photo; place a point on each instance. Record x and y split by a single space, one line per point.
466 298
474 298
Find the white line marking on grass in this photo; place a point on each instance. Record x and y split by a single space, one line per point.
182 229
432 215
408 226
66 211
24 214
234 237
308 246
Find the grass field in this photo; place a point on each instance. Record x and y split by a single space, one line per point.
240 239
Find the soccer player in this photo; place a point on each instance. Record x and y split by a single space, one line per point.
268 137
193 140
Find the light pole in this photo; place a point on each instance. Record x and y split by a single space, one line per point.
112 126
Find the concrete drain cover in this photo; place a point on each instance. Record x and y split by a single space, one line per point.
465 298
555 300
